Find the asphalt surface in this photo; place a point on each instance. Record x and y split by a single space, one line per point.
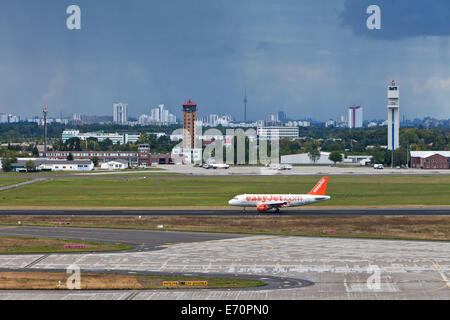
141 240
272 282
444 211
335 269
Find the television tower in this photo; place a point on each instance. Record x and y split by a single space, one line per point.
245 106
45 111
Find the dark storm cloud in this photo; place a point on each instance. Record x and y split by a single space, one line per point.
291 55
399 18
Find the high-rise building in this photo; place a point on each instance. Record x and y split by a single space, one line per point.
393 116
155 115
282 116
212 120
161 115
272 120
165 116
172 118
189 119
144 119
330 123
3 118
355 117
120 113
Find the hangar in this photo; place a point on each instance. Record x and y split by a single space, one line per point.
118 164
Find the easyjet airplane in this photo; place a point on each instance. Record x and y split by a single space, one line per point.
266 202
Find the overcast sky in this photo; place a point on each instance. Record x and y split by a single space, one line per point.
310 58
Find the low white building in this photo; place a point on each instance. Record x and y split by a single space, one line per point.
303 158
55 165
114 165
361 160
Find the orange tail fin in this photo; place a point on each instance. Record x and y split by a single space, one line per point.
320 188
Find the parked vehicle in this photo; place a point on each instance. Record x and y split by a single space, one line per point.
220 166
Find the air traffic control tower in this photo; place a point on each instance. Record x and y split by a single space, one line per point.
393 116
189 119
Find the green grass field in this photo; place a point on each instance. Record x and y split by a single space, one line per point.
186 191
21 245
32 280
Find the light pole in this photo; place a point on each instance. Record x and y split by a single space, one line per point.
407 156
392 158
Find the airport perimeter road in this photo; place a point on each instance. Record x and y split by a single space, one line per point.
16 185
299 170
336 268
190 170
444 211
142 240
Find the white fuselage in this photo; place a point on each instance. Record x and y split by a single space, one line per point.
288 200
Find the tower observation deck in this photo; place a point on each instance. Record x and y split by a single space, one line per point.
393 115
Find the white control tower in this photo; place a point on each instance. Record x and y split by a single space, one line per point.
393 116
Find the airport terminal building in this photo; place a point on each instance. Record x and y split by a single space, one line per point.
143 157
121 138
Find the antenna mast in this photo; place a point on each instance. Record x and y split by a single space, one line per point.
45 111
245 105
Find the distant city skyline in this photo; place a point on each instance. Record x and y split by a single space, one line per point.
310 59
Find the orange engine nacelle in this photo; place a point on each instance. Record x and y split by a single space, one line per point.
263 207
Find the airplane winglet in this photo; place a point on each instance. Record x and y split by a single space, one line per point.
320 188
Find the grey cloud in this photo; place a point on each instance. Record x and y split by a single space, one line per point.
400 18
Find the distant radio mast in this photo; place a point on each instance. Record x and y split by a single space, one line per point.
245 106
45 111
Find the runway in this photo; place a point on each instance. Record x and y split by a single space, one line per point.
296 268
444 211
311 268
